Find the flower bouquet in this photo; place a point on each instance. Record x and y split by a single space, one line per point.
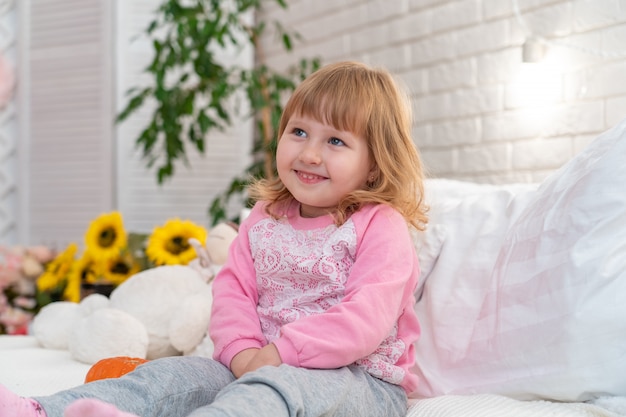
20 268
32 278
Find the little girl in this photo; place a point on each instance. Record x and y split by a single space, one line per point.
313 311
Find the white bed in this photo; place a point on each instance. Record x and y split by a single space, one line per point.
30 370
521 298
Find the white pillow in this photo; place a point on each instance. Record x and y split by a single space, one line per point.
468 222
460 214
549 321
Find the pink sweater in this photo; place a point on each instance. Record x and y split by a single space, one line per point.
326 296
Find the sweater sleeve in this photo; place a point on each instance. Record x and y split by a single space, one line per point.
378 294
234 324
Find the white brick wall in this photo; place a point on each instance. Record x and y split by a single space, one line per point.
480 113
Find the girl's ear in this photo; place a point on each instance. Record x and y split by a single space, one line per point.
373 174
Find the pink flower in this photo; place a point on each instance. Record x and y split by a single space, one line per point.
16 321
10 267
25 302
42 254
8 276
4 303
31 267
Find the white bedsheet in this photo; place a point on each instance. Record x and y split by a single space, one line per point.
30 370
488 405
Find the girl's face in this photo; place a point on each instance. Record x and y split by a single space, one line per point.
319 164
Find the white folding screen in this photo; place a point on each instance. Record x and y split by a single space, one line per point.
66 133
8 125
77 60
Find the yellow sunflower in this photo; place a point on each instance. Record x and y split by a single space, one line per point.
87 269
120 268
72 286
169 244
57 270
106 236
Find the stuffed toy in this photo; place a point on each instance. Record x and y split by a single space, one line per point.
163 311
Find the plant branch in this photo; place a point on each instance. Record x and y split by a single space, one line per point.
192 88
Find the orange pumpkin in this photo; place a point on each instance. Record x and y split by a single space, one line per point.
113 367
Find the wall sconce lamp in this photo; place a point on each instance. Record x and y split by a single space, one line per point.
533 50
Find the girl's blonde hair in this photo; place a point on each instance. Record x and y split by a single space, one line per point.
366 101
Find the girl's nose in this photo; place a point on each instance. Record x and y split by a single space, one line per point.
310 154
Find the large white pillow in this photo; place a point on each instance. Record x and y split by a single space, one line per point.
461 212
467 226
548 317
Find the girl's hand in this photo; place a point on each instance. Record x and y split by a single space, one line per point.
241 360
267 356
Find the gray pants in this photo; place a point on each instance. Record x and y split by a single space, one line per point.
201 387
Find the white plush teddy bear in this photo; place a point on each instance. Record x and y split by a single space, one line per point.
159 312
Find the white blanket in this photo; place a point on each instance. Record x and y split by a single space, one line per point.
30 370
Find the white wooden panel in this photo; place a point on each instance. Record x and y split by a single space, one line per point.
78 58
69 114
9 190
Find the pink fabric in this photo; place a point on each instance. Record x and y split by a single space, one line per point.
89 407
12 404
326 296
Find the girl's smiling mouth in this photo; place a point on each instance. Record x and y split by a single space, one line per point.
309 178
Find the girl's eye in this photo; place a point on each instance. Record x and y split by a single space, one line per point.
299 132
335 141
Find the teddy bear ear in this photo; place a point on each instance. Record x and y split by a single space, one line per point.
218 241
201 252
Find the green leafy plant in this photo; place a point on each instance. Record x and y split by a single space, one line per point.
193 91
